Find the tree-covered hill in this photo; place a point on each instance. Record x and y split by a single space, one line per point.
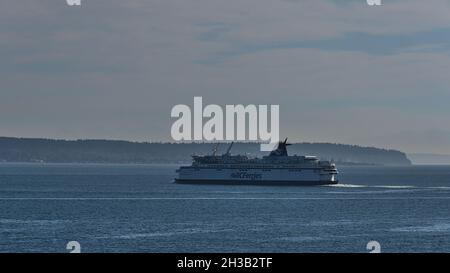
111 151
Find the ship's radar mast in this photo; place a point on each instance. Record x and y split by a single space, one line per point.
229 148
214 150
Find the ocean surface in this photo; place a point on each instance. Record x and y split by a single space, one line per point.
137 208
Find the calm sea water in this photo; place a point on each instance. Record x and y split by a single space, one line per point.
137 208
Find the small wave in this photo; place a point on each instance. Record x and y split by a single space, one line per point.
168 234
145 235
33 222
442 227
301 239
330 223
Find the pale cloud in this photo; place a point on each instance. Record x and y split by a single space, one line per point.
114 69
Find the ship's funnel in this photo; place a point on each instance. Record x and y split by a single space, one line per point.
281 150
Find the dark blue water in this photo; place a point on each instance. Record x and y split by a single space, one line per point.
136 208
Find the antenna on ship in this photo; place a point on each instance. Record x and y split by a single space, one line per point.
229 148
214 150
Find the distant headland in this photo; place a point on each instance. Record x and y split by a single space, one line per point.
114 151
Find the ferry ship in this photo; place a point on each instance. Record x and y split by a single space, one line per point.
277 168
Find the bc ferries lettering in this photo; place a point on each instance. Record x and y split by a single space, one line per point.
244 175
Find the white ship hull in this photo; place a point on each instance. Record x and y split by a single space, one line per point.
257 176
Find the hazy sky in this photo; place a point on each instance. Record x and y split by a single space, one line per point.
340 70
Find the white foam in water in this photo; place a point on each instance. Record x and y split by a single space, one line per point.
395 187
383 186
440 188
346 186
